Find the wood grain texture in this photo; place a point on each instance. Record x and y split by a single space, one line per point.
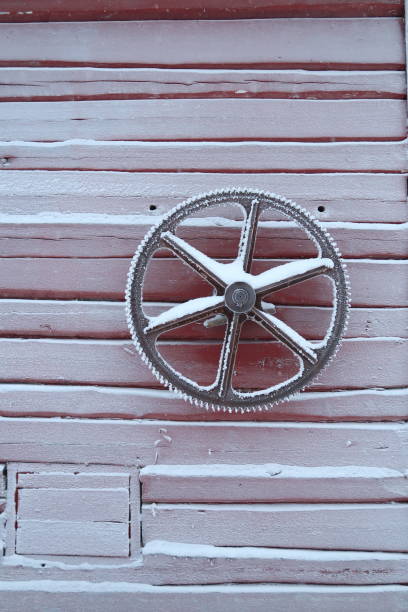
220 119
71 596
106 10
270 483
325 526
360 363
279 42
76 319
217 238
76 480
201 156
72 538
213 564
132 403
129 443
346 197
98 279
167 563
43 84
83 505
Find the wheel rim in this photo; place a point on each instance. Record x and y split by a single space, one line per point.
238 296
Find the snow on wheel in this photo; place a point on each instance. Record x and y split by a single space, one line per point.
237 297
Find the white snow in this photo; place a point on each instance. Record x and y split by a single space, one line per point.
267 471
288 270
194 306
179 549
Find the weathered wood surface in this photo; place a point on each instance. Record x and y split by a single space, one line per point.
345 197
98 279
72 538
216 237
132 403
205 156
68 480
129 443
374 362
220 119
326 526
86 319
44 10
105 596
176 563
60 504
168 563
43 84
365 43
2 498
270 483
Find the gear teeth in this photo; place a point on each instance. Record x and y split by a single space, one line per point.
219 197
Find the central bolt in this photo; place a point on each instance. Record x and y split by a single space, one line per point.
240 297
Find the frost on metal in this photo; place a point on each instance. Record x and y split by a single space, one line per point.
237 297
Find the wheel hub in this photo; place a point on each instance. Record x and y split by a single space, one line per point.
240 297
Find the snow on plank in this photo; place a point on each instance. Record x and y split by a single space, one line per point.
178 563
116 442
204 156
52 236
374 362
133 403
42 84
87 319
271 483
219 119
344 197
98 279
325 526
284 43
71 596
108 10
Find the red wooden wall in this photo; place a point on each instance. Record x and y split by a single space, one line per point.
107 124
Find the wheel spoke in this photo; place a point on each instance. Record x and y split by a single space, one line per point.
286 335
205 266
289 274
228 355
182 314
248 236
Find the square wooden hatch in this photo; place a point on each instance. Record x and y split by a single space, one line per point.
73 513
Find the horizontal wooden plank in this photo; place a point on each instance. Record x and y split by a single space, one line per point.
216 236
96 279
70 538
219 119
325 526
279 42
76 480
76 319
345 197
133 403
43 84
216 157
376 362
128 443
79 505
106 10
176 562
105 596
270 483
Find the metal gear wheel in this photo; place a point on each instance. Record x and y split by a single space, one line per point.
237 297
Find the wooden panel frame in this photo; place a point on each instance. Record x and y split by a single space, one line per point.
14 469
